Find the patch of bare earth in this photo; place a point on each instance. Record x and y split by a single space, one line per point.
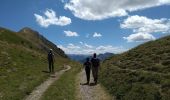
90 92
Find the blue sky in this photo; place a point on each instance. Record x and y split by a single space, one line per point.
87 26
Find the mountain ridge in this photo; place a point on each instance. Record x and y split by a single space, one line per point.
39 40
82 57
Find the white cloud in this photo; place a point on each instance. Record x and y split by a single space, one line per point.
72 46
81 42
139 37
102 9
144 27
70 33
147 25
97 34
110 48
85 48
50 18
88 46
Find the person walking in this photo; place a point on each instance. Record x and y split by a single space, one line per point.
95 66
51 61
87 66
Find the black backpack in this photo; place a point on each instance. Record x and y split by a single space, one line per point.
95 62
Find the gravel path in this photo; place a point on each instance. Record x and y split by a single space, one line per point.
90 92
38 92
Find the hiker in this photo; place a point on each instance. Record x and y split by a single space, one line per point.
95 66
51 60
87 66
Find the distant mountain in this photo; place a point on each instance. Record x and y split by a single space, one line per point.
82 58
105 55
142 73
78 57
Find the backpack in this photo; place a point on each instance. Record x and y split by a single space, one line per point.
95 62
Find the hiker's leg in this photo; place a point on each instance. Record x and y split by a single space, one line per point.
88 75
49 66
52 67
96 74
93 72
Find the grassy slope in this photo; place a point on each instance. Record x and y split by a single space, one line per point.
64 88
142 73
21 66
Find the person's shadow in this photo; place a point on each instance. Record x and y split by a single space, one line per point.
84 84
45 71
92 84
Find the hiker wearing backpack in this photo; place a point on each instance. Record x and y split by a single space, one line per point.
87 66
95 66
51 60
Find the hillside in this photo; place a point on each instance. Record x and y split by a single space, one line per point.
142 73
23 62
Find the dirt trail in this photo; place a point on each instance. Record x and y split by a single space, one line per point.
89 92
38 92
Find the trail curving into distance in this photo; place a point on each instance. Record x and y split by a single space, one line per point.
38 91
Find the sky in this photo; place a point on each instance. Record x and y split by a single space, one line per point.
88 26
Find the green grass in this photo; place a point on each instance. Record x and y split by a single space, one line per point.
21 66
12 38
21 71
142 73
64 88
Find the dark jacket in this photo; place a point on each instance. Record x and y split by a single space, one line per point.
95 62
50 56
87 65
